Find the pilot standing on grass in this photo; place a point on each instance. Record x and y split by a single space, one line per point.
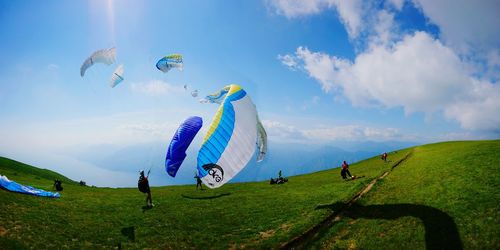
144 187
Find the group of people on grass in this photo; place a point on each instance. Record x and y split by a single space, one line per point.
143 183
279 180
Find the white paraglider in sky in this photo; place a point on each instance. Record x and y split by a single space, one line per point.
117 76
105 56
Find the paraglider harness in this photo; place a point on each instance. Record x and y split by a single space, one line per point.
143 183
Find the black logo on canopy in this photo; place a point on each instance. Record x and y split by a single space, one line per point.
215 171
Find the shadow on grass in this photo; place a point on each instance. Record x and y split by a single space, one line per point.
440 230
205 197
129 232
146 208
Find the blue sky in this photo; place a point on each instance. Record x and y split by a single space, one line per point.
319 72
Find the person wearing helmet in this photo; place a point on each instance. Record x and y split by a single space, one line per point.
143 185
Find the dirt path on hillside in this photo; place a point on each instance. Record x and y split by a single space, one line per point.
305 238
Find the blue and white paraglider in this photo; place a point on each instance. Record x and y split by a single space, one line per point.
16 187
232 137
183 137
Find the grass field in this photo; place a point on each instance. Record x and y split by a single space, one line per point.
458 180
445 196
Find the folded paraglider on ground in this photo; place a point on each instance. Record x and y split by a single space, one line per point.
13 186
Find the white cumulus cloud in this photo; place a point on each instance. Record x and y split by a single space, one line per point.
454 74
470 28
283 132
289 61
350 12
418 73
352 132
465 24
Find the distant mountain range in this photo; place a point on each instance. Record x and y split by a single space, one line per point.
292 159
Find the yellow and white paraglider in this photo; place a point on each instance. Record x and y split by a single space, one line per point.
171 61
231 138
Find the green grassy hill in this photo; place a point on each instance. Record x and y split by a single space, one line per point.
457 180
446 195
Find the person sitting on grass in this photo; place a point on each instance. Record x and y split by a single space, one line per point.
143 185
58 185
345 171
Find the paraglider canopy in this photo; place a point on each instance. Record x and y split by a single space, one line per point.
230 141
261 141
16 187
169 62
105 56
117 76
183 137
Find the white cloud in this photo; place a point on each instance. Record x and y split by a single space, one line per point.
418 73
384 30
454 75
470 28
282 132
295 8
321 66
397 4
279 131
480 109
352 132
465 23
289 61
350 12
156 88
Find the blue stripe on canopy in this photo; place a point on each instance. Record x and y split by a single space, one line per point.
214 146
